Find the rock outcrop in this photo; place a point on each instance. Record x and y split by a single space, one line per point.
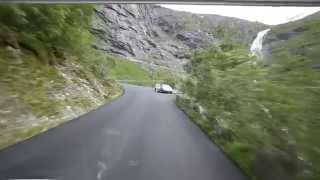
164 37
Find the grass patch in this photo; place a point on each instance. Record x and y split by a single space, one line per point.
241 153
30 81
31 131
130 72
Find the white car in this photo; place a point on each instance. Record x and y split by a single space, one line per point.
165 88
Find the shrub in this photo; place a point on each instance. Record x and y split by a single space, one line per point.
272 108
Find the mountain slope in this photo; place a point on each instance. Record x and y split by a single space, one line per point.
162 36
265 117
49 73
294 40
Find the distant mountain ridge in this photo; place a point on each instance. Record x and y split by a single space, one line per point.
163 36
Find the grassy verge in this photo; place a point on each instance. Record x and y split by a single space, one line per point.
36 97
49 72
240 153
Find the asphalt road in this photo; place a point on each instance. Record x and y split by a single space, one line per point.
140 136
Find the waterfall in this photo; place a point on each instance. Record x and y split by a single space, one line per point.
256 46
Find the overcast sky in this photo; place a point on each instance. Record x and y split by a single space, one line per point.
267 15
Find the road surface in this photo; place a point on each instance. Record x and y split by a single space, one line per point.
140 136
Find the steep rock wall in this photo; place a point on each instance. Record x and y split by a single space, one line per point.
165 37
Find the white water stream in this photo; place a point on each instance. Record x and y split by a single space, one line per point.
256 46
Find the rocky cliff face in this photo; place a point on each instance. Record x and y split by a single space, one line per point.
160 36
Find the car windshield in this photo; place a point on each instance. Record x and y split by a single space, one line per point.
179 91
166 86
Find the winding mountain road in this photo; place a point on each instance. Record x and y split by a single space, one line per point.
140 136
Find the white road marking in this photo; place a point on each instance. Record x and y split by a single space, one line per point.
102 167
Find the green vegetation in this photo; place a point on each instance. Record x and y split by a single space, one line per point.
130 72
299 40
266 118
52 33
171 77
49 72
30 80
133 73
